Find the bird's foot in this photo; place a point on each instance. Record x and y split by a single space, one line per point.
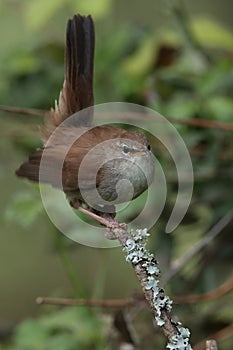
105 220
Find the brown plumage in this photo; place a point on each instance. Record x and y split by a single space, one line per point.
69 144
89 138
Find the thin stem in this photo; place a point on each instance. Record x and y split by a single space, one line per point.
22 110
223 289
85 302
215 230
202 123
68 266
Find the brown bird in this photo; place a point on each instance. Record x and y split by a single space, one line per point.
103 164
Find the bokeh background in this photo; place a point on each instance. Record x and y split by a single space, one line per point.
173 56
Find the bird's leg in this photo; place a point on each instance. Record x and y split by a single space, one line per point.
106 211
108 222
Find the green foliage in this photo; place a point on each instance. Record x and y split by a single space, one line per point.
24 208
67 329
130 65
211 34
38 14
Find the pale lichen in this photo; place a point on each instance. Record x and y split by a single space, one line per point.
181 341
135 248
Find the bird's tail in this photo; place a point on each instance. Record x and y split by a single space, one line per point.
77 91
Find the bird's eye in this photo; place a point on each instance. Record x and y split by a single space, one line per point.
148 147
126 149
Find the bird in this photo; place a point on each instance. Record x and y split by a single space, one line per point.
100 157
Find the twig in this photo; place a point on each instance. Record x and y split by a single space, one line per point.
85 302
22 110
216 229
203 123
223 289
68 266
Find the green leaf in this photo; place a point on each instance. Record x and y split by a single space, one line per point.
31 334
139 62
67 329
211 34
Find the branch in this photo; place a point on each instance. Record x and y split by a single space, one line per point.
223 289
202 123
219 336
84 302
147 272
21 110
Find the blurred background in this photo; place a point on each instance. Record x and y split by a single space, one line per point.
172 56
